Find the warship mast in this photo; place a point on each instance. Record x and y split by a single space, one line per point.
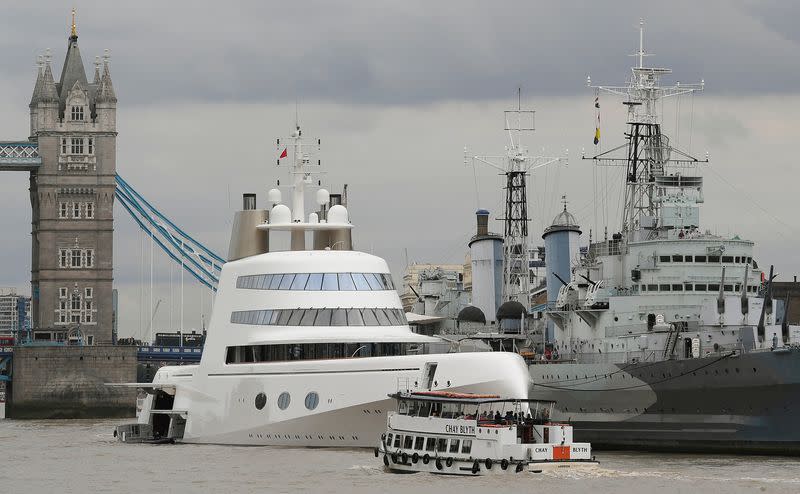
516 164
647 151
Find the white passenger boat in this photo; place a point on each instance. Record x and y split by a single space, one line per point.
471 434
304 345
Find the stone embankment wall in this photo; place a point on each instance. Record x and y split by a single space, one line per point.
69 382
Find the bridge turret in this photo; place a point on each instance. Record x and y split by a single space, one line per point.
47 110
106 100
37 91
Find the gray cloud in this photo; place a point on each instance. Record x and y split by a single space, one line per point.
406 52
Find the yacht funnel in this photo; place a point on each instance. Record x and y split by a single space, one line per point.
246 239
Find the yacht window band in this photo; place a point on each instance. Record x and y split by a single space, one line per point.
248 354
321 317
317 281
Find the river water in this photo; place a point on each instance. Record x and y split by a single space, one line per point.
82 456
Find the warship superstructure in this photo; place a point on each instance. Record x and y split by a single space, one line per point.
665 336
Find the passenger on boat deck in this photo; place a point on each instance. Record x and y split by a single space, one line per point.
498 419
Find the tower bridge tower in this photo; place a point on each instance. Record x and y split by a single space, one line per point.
72 164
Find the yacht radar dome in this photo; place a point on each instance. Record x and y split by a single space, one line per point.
280 215
274 196
323 197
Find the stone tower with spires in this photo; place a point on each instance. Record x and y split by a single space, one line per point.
73 122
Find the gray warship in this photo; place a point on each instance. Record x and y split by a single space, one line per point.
665 335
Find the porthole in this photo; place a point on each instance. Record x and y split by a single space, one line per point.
283 400
312 400
261 400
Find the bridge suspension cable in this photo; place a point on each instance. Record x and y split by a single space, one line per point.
200 261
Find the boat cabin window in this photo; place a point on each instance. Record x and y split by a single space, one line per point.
314 351
727 259
677 258
419 443
299 282
409 442
713 288
275 282
454 443
466 446
389 439
430 444
360 282
699 258
398 440
687 258
317 281
663 258
700 287
688 287
713 259
441 445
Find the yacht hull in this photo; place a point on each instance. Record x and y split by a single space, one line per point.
747 403
351 396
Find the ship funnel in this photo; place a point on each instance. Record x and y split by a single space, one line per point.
246 239
482 218
248 202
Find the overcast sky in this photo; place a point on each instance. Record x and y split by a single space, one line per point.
396 90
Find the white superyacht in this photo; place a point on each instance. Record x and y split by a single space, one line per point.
305 345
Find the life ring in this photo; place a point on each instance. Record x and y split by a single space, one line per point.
488 463
438 463
449 461
404 457
475 467
415 457
386 460
394 457
426 459
376 452
504 464
519 467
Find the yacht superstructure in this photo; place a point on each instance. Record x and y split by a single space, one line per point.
305 345
665 333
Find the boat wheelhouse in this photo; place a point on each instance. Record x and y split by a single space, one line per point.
477 434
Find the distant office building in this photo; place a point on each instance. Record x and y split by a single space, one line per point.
15 311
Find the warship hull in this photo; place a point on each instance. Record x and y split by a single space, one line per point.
742 403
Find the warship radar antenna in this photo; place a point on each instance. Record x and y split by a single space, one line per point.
647 152
516 165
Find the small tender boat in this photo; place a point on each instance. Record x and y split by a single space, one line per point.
472 434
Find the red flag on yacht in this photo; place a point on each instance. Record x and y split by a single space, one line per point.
284 153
